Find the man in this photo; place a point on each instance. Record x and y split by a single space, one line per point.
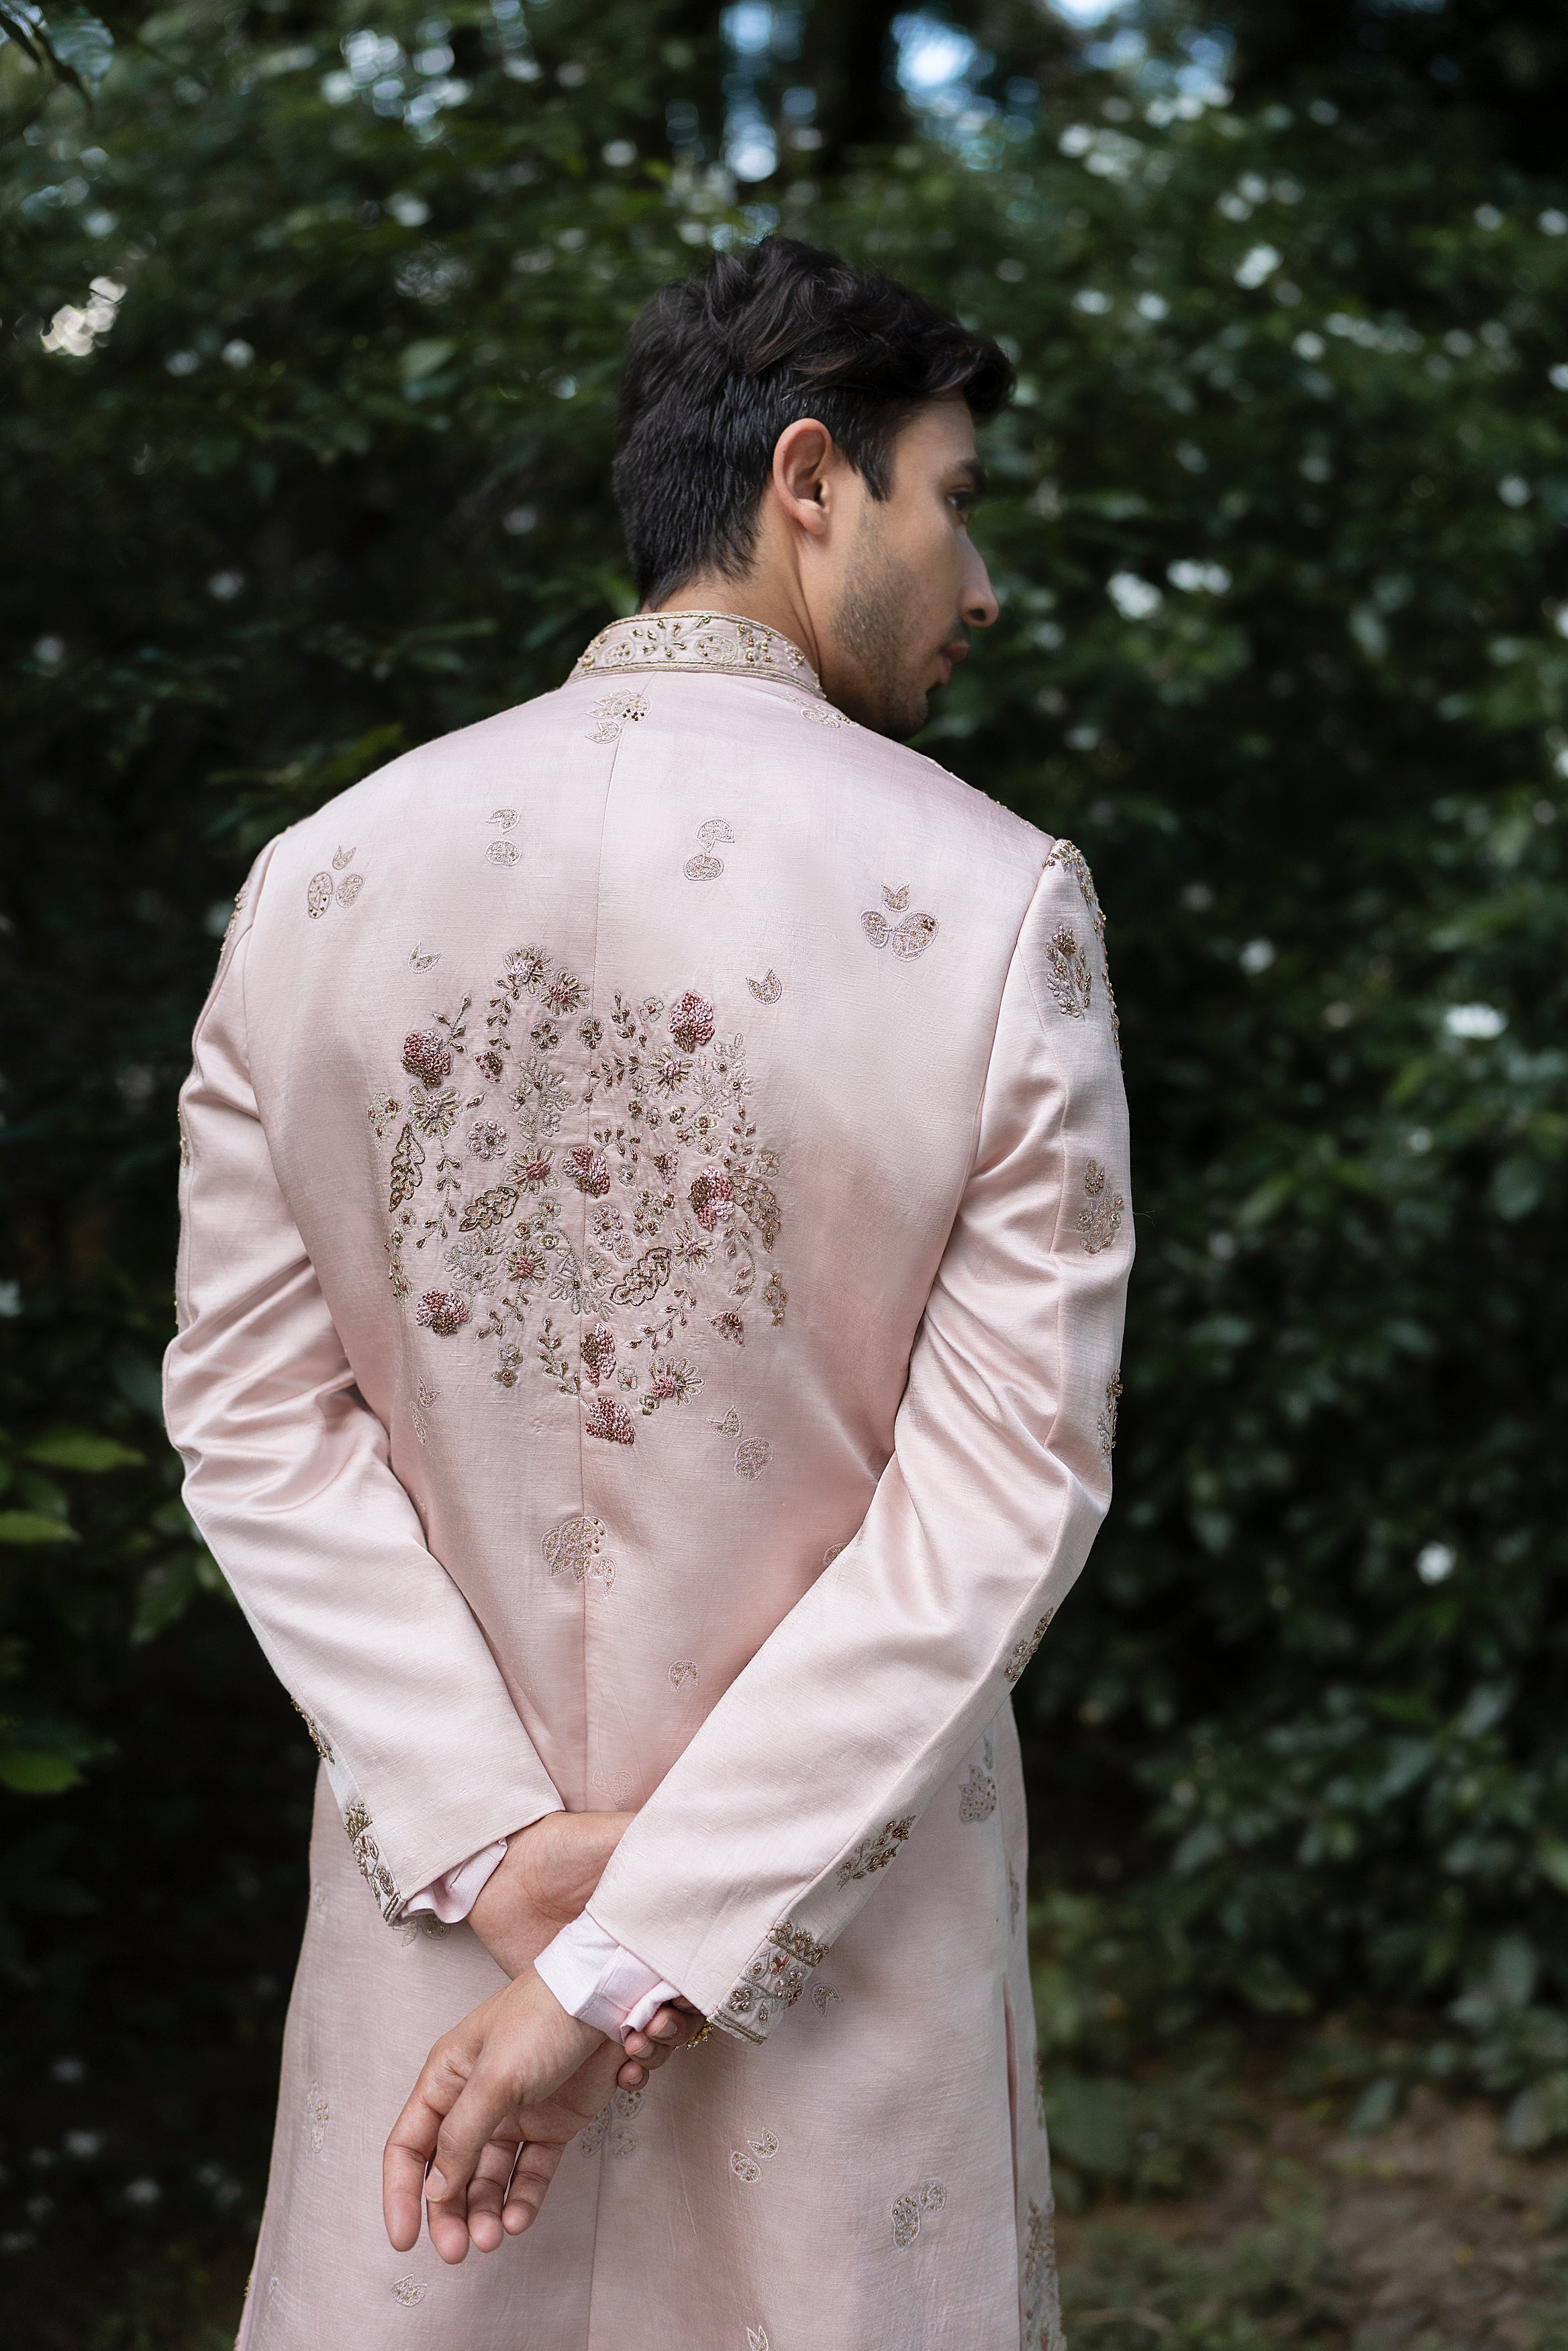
655 1234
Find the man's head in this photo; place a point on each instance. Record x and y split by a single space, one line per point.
800 434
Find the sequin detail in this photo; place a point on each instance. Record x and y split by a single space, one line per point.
1100 1217
613 712
875 1853
928 2197
408 2291
977 1796
771 1982
909 938
1021 1652
321 891
726 642
1068 974
485 1170
1106 1424
576 1548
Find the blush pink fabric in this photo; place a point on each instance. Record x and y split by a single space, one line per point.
655 1231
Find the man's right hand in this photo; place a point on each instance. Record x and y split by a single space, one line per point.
544 1883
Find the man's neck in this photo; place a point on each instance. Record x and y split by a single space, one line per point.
770 603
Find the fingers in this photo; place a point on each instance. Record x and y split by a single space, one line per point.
669 2030
413 2139
487 2194
537 2165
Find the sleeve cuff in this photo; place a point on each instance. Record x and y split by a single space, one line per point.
599 1982
451 1896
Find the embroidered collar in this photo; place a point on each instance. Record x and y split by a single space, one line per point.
725 642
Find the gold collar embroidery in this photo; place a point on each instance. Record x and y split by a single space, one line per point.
725 642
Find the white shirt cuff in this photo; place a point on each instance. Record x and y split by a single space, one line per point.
451 1897
597 1980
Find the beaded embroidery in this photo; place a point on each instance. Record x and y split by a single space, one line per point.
747 2162
768 990
1100 1218
1021 1652
615 711
757 2339
1068 974
408 2291
319 1739
913 935
822 1998
723 642
682 1672
608 2129
681 1197
929 2197
317 2114
1072 860
771 1982
1107 1421
977 1796
875 1853
576 1548
373 1868
320 891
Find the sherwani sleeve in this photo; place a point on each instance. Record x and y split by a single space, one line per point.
289 1477
775 1822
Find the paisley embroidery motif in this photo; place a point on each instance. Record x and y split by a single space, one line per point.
747 2162
608 2129
1100 1218
409 2291
769 989
705 866
912 936
977 1796
682 1672
822 1998
875 1853
419 961
682 1205
320 891
502 853
752 1455
929 2197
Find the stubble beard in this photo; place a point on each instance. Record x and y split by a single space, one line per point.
871 628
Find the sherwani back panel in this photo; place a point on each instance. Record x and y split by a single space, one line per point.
654 1243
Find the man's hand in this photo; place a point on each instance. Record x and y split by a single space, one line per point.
545 1881
497 2101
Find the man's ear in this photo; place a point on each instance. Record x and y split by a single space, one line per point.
804 458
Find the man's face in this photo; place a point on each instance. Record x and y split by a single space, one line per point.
908 584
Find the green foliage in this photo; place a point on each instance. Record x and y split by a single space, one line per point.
305 431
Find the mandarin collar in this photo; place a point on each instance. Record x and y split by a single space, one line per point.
726 642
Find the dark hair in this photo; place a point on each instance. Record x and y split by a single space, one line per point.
719 365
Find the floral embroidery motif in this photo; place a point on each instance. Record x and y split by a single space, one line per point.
875 1853
419 961
445 1311
977 1796
608 2129
1021 1652
682 1204
349 888
822 1998
682 1672
1100 1218
705 866
1106 1424
317 2114
408 2291
613 712
771 1982
1068 974
913 935
929 2197
769 989
373 1868
752 1455
502 853
576 1548
824 713
341 858
504 818
757 2339
747 2162
319 1739
1072 860
1042 2307
723 642
799 1944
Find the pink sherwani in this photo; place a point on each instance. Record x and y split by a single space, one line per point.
655 1234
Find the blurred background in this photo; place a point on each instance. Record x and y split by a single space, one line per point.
309 324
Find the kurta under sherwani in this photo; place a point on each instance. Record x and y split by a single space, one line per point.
655 1234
